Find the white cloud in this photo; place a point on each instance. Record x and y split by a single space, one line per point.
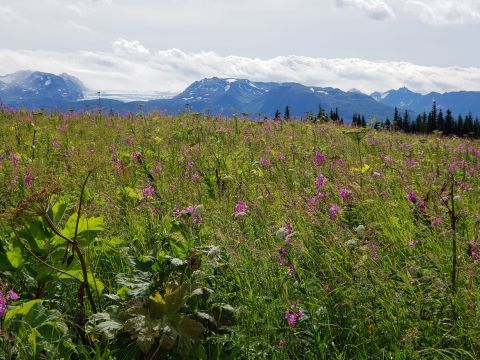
432 12
445 12
122 47
375 9
9 15
132 67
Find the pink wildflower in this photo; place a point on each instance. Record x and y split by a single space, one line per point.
292 316
412 197
137 156
345 194
14 158
320 182
3 304
148 192
319 158
333 211
13 295
241 209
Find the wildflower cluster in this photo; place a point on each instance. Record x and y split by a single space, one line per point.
241 209
4 298
293 314
285 234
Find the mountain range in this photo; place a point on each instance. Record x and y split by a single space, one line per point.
227 96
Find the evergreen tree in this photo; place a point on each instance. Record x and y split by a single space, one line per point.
449 123
321 113
406 122
277 115
388 124
311 117
424 122
286 115
363 123
397 122
440 121
356 120
419 124
334 115
459 126
432 119
476 128
468 125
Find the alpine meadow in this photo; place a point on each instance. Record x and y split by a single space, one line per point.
193 236
239 180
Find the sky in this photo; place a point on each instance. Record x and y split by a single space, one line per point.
164 45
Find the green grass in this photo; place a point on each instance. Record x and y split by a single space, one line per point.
386 294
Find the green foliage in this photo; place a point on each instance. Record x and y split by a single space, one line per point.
212 238
165 311
40 333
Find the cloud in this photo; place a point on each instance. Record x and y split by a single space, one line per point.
9 15
130 67
445 12
431 12
375 9
70 24
123 47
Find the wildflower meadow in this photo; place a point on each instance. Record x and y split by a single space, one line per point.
198 237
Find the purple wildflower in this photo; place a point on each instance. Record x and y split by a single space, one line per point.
264 161
157 169
13 295
319 158
241 209
28 179
345 194
188 210
195 176
3 304
412 197
473 250
320 182
333 211
14 158
291 270
464 186
436 222
148 192
137 156
292 316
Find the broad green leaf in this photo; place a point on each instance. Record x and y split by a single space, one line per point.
20 310
87 227
94 283
14 256
57 211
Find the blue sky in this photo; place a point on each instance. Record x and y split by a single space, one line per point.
163 45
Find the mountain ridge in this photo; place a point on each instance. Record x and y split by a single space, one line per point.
228 96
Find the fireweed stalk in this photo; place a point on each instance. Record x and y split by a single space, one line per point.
285 234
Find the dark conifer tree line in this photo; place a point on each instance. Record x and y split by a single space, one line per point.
426 123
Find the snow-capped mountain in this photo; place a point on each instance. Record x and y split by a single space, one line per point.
227 96
234 96
460 102
28 86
